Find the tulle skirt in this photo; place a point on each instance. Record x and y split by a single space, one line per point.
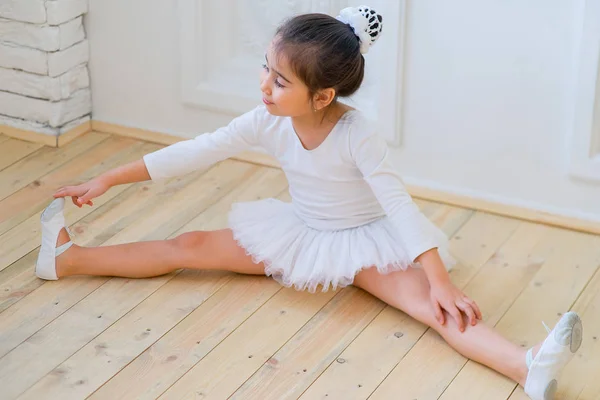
305 258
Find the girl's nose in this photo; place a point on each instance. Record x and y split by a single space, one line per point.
264 86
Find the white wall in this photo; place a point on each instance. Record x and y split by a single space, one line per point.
488 92
135 67
489 100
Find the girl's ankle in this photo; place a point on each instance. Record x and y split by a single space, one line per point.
521 370
64 264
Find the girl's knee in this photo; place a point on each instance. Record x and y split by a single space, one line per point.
190 240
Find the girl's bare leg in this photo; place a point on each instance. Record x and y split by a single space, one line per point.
194 250
409 292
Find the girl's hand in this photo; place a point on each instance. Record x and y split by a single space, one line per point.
446 296
84 193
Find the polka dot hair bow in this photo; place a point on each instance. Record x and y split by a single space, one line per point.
366 24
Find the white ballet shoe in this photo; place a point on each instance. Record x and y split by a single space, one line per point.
556 351
53 220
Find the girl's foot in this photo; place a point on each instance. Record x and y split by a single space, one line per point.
55 240
554 353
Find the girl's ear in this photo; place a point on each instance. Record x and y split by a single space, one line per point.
323 98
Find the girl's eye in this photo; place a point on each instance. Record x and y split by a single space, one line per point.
266 68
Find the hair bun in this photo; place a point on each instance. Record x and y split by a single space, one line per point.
366 24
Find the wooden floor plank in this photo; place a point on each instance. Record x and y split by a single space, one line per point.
379 348
18 280
12 150
23 238
473 246
288 373
32 198
224 369
519 394
162 364
552 291
369 359
105 355
35 311
42 162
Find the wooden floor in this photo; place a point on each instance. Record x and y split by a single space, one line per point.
214 335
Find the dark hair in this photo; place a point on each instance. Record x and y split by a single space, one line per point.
323 52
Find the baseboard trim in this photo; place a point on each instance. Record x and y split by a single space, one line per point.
504 207
74 133
47 140
416 189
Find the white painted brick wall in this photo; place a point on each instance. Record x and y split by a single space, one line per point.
72 81
33 11
26 34
28 84
71 32
44 79
43 86
76 106
61 11
61 61
27 108
52 113
23 58
42 37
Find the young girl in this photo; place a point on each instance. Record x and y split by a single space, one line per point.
351 220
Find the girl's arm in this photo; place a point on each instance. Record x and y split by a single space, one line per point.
178 159
135 171
434 267
420 238
207 149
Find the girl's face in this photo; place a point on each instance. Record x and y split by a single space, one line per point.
284 94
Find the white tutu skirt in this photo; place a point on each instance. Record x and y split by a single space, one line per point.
298 256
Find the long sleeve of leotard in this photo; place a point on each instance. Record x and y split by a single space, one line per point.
206 149
371 155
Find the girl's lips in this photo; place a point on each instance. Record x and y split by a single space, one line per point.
267 102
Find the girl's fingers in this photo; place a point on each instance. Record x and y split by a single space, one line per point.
474 306
457 315
85 199
477 311
468 310
439 315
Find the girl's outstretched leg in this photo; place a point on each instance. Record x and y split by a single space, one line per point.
58 257
409 292
194 250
